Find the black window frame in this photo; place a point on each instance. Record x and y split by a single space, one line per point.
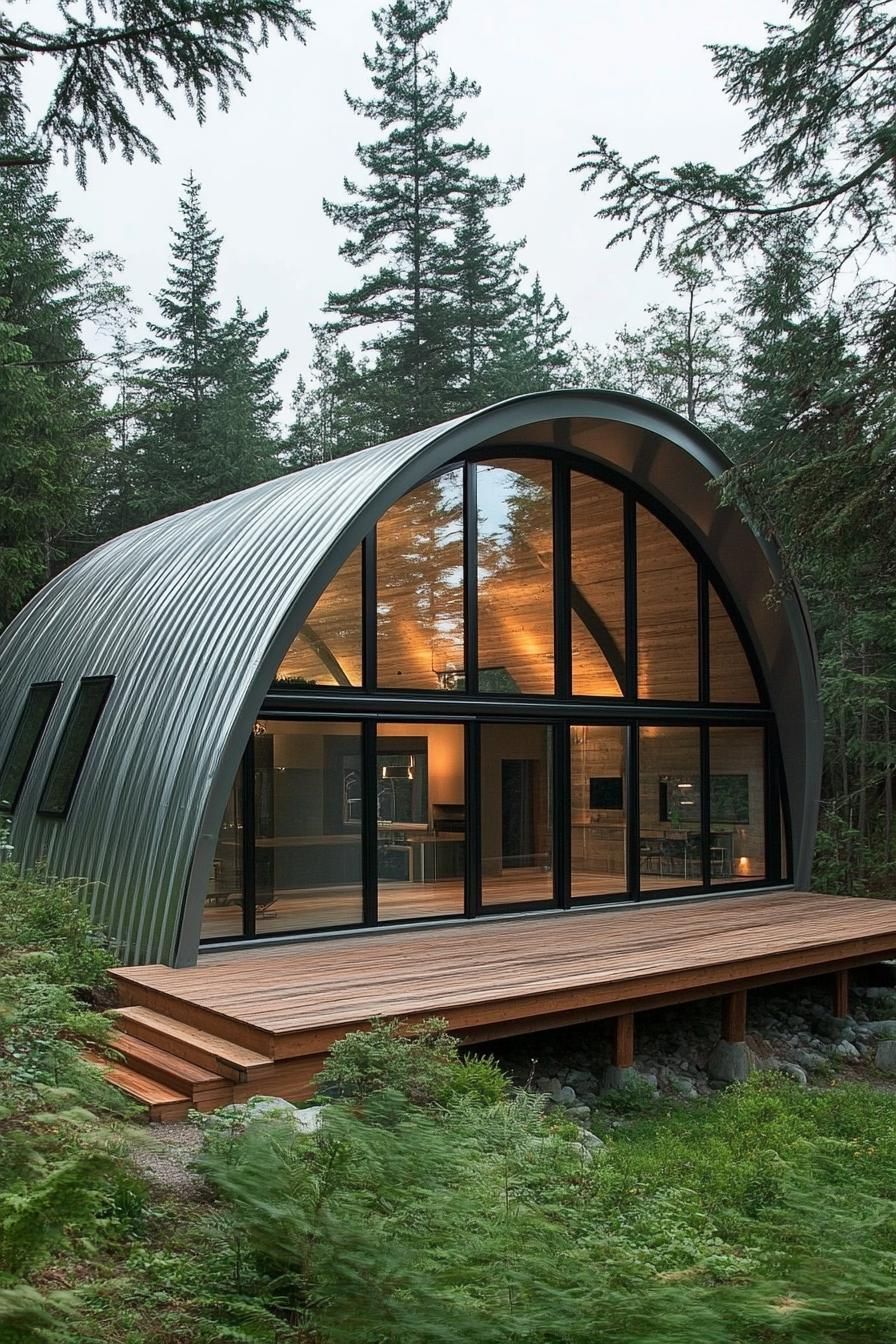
71 719
472 707
8 808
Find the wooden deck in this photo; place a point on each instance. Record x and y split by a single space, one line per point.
289 1003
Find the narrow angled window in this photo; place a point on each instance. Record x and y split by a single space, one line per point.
327 649
667 614
420 588
597 597
730 679
71 753
515 559
29 729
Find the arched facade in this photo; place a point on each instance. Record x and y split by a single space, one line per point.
518 661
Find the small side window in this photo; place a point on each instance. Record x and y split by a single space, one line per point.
29 729
72 750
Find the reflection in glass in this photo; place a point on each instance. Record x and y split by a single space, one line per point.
308 792
420 588
670 844
515 568
737 804
730 678
421 827
327 650
668 651
515 816
598 815
222 916
598 587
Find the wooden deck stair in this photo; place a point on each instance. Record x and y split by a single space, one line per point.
171 1068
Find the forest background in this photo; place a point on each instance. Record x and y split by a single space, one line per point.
779 337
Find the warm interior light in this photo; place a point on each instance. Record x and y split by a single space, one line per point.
743 864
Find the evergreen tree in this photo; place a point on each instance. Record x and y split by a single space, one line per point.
402 220
112 56
486 278
535 353
332 415
684 357
210 403
51 418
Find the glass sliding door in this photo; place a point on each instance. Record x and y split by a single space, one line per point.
670 809
737 805
516 814
308 782
598 810
420 821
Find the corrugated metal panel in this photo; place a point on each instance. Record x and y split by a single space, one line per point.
192 615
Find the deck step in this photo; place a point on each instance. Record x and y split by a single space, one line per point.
210 1052
205 1089
162 1103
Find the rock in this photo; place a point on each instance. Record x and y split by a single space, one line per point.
614 1079
566 1096
580 1113
306 1119
886 1027
810 1059
730 1062
591 1141
885 1056
791 1071
846 1050
683 1087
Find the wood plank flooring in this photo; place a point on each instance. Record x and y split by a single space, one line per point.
488 978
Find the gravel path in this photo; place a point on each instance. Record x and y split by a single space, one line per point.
163 1158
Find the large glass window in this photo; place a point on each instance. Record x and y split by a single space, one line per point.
515 562
223 913
597 597
29 728
420 588
730 678
737 804
308 825
516 813
327 649
72 751
421 820
668 646
670 836
351 823
598 809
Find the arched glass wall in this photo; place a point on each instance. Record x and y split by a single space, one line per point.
525 690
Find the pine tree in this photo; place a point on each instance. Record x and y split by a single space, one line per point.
113 57
486 278
683 357
404 217
332 415
51 417
210 404
535 353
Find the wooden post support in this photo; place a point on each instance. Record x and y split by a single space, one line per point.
841 993
624 1041
734 1016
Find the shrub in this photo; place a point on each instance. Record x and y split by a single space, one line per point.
421 1062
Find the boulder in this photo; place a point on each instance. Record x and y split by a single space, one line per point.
846 1050
614 1079
730 1062
885 1056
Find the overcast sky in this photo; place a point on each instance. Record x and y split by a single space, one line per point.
552 75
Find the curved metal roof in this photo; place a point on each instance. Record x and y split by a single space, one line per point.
193 614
